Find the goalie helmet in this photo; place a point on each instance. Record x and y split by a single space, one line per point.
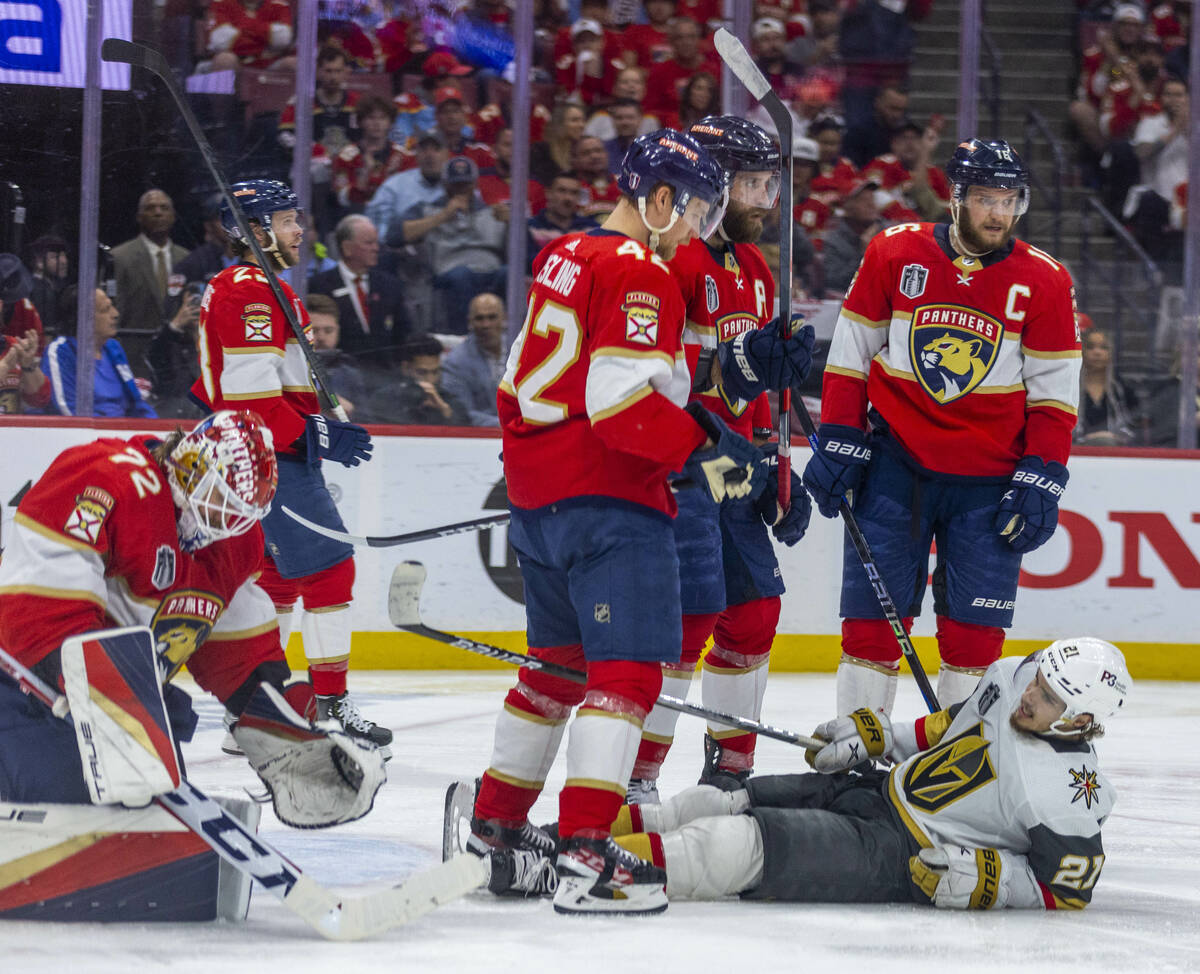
739 146
222 476
993 164
258 199
1088 674
677 159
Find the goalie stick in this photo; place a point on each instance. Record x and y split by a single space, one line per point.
404 609
735 55
121 51
331 915
738 59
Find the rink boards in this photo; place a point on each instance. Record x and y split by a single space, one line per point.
1123 564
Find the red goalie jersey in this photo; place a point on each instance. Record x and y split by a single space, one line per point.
972 362
94 545
590 403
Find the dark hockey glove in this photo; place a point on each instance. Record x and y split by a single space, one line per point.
787 526
329 439
837 466
1028 513
710 467
761 359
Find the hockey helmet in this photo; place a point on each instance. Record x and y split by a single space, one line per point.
222 475
739 146
258 199
1089 675
667 156
996 164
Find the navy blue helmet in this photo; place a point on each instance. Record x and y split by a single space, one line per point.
994 164
258 198
671 157
740 146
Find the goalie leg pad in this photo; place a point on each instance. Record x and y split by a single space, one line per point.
317 778
122 728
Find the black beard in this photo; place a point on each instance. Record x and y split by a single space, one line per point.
970 240
739 223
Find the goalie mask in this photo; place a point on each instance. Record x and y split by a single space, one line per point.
222 476
1089 675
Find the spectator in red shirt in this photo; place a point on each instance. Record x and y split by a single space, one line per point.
594 10
808 212
450 122
1171 22
836 174
650 43
666 79
585 74
599 192
706 13
1134 94
360 168
1111 58
495 182
912 190
250 33
553 154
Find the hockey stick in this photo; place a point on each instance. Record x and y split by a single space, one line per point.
328 913
404 609
388 541
139 56
738 59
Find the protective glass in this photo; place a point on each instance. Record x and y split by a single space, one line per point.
759 189
704 216
986 198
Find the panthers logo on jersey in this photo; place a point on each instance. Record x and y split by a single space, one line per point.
950 771
952 349
182 624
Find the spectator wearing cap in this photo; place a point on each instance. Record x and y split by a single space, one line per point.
460 239
49 266
399 193
145 264
495 183
626 115
23 386
808 213
835 175
585 74
248 33
344 373
1112 58
913 190
598 189
471 371
650 42
631 85
414 109
451 124
768 41
597 11
362 166
553 154
846 241
416 397
115 392
561 215
371 309
667 79
873 136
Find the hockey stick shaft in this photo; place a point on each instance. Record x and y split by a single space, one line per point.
138 55
734 54
330 915
389 541
404 597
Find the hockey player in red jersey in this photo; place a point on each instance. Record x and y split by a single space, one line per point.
729 578
949 398
250 358
591 409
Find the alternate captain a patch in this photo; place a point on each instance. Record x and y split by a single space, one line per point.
257 318
952 349
641 317
91 508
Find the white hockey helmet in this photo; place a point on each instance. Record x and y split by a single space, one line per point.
1089 675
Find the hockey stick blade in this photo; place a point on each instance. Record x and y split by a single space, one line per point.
121 51
390 541
404 599
738 58
332 916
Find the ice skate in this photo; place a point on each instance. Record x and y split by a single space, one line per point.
595 875
343 709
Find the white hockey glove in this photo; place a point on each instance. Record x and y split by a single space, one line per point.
864 735
959 878
317 778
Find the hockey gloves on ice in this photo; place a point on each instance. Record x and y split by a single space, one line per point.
761 359
863 736
787 526
959 878
718 469
837 466
1028 513
329 439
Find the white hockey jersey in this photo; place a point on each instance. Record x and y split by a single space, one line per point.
984 784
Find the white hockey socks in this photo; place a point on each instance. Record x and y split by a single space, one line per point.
734 683
956 683
526 743
658 730
864 683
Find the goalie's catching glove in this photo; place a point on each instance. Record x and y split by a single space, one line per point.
316 777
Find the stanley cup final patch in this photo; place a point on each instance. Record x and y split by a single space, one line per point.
912 280
641 317
258 322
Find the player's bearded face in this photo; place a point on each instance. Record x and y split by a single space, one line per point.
986 218
288 233
742 223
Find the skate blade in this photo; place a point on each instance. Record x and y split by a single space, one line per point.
574 898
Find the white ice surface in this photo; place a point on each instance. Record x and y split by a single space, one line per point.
1143 917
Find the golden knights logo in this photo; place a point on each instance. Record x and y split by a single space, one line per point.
952 348
1085 784
182 623
950 771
